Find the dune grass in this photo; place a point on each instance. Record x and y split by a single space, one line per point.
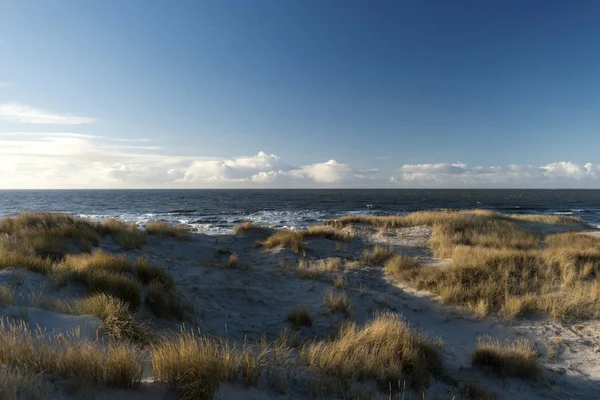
147 272
400 263
196 365
443 216
496 265
338 303
508 358
377 255
17 384
115 316
386 350
164 301
87 363
299 317
314 269
244 227
128 236
295 239
161 228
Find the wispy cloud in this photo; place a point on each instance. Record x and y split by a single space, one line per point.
21 113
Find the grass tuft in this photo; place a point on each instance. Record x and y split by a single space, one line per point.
299 317
377 255
400 263
196 365
338 302
509 358
161 228
385 349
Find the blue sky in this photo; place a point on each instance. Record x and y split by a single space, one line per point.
299 94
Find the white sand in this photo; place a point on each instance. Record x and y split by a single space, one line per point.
246 303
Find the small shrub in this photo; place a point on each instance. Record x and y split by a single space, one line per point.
335 303
161 228
299 317
472 391
509 358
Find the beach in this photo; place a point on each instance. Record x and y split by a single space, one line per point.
356 307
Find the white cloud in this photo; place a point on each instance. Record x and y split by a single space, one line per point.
460 175
25 114
73 160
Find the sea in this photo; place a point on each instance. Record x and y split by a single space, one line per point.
218 211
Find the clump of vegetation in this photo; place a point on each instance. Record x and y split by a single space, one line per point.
7 295
299 317
196 365
161 228
308 269
128 236
18 384
90 363
164 301
472 391
338 302
509 358
400 263
105 273
147 273
232 262
444 216
385 349
244 227
295 239
378 255
115 316
496 265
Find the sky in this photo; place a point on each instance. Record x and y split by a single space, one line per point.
299 94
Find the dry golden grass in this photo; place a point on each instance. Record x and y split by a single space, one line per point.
7 295
498 266
98 261
339 281
400 263
164 301
243 227
508 358
51 234
161 228
232 262
147 272
385 349
196 365
17 384
128 236
377 255
338 302
115 316
308 269
299 317
295 239
472 391
84 362
444 216
105 273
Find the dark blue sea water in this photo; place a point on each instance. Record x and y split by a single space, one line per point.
216 211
